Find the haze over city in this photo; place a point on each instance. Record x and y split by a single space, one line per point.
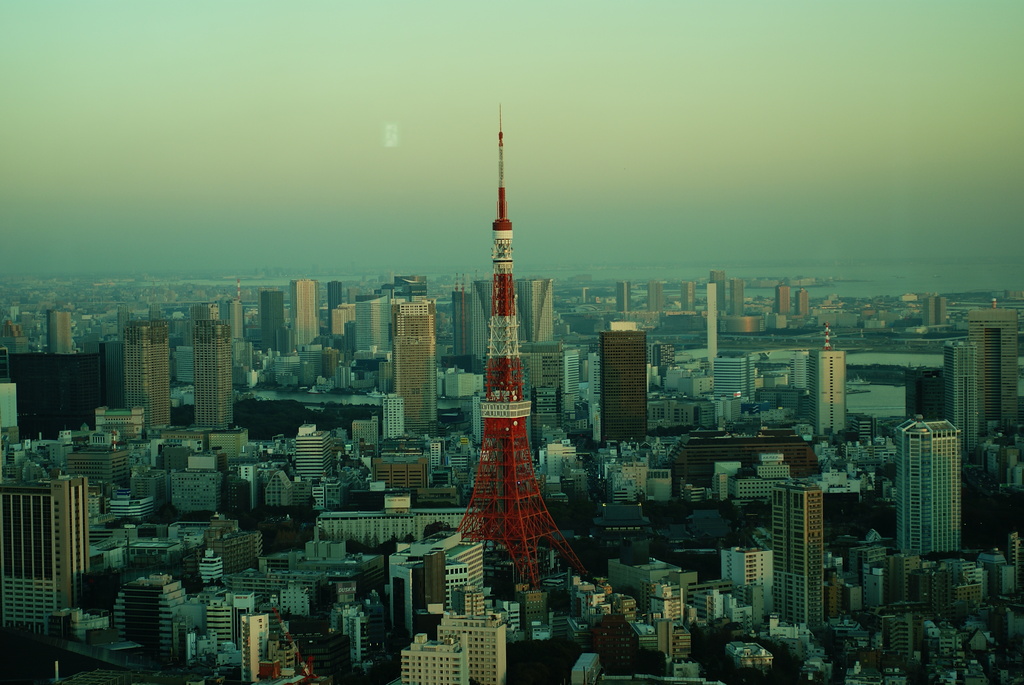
237 136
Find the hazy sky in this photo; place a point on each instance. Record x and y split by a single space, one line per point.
159 135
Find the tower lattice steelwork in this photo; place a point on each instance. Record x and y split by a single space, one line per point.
506 508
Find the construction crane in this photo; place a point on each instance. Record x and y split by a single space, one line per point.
305 666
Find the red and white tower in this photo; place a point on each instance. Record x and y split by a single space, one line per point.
506 508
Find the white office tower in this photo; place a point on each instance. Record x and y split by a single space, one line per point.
799 360
394 416
960 380
373 324
255 639
570 379
734 375
313 453
712 325
484 640
927 487
826 378
305 310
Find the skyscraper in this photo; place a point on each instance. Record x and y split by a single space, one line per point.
535 308
622 296
734 375
736 296
335 294
783 300
826 379
688 296
717 278
655 296
211 344
55 391
313 452
803 302
305 310
45 528
58 332
994 334
415 364
712 322
461 332
271 318
798 545
623 385
933 311
927 487
480 317
960 391
373 324
147 372
393 416
925 392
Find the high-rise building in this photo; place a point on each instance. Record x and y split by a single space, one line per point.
783 300
393 416
803 302
925 390
960 391
271 318
717 278
927 487
623 385
736 296
212 363
622 296
45 528
58 332
111 356
535 307
994 334
749 566
415 364
147 370
688 296
143 610
933 311
480 317
314 453
255 639
735 375
712 323
305 310
55 391
461 332
826 379
236 317
655 296
373 324
798 542
335 294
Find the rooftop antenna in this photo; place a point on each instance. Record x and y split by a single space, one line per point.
828 337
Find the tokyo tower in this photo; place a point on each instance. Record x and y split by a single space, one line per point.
506 508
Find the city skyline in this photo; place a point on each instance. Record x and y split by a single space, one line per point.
737 136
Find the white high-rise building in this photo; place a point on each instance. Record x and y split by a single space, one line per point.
434 662
393 415
798 363
826 379
960 386
927 487
305 310
570 379
373 324
535 309
313 452
734 375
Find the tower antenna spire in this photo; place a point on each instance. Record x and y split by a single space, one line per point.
502 205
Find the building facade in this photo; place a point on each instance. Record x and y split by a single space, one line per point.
147 370
798 533
623 385
415 364
994 334
305 310
826 379
927 487
960 391
211 343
